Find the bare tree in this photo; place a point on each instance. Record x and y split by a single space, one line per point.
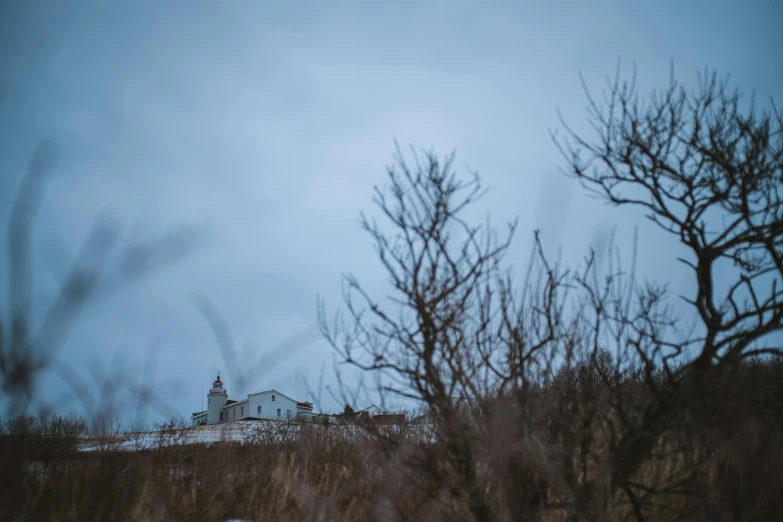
710 174
577 390
440 343
138 436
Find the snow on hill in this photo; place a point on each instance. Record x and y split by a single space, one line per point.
240 432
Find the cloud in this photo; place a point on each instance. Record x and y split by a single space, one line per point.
272 123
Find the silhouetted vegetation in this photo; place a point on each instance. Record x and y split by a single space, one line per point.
571 394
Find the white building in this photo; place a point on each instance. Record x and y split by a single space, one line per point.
270 404
370 411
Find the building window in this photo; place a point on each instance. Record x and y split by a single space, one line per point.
221 416
235 413
259 410
278 412
242 411
273 398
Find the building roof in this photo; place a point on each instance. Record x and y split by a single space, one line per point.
230 403
368 408
305 405
271 391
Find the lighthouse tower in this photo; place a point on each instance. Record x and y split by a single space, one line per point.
216 399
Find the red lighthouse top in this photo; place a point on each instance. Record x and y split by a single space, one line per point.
217 387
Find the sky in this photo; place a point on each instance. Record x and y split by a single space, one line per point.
265 125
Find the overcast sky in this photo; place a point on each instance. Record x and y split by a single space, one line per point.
268 123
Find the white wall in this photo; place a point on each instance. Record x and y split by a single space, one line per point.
214 405
269 407
241 408
372 411
248 408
